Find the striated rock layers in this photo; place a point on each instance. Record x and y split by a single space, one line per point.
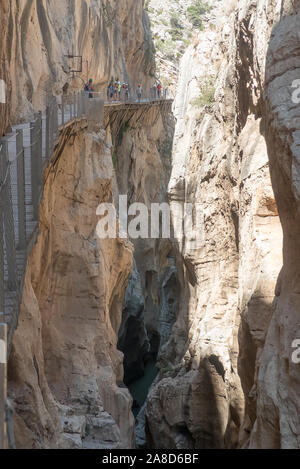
227 378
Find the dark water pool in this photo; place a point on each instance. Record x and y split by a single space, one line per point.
139 389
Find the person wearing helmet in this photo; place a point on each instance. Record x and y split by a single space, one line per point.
111 89
126 91
119 90
159 90
90 88
139 92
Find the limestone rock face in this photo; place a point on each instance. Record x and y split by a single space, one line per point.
206 309
278 387
65 377
172 32
112 37
4 69
221 372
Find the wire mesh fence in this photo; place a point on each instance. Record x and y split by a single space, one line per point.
125 94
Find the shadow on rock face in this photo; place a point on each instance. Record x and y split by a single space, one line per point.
278 384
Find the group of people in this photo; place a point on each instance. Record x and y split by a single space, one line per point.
115 88
115 91
157 90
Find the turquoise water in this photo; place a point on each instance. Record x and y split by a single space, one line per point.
139 389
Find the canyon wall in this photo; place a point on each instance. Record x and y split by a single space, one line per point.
227 379
278 387
205 312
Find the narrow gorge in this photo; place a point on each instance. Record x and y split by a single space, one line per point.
187 341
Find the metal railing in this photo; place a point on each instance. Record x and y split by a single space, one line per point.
23 156
132 96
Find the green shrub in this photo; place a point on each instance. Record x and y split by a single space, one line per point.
207 96
115 159
196 11
175 23
147 2
176 34
166 48
165 369
177 28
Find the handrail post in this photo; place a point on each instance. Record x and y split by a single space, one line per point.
9 228
78 106
21 190
40 148
2 175
34 169
54 111
51 128
3 385
71 109
83 96
63 109
75 107
56 119
47 132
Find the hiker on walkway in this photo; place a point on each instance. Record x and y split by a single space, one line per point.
108 91
126 91
139 92
154 91
111 90
89 88
116 90
159 89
